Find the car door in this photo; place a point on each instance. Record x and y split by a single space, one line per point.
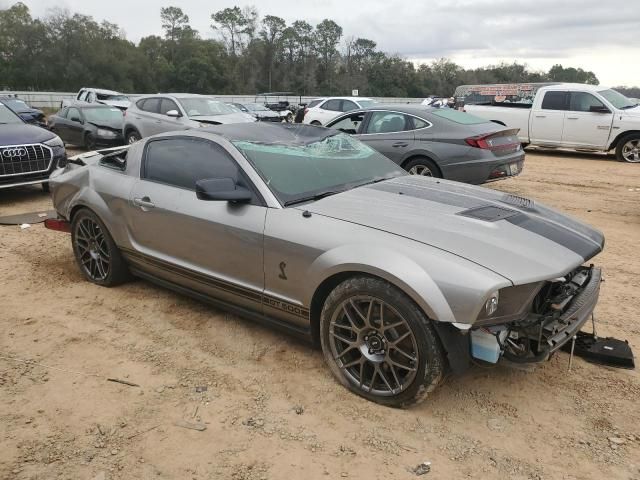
390 133
587 123
168 123
148 117
74 126
350 124
212 247
547 122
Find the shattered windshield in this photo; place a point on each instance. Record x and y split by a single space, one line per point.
205 107
329 165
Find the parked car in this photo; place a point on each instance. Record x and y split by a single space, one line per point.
153 114
28 153
576 116
27 113
259 111
322 110
88 125
278 102
397 277
437 142
99 95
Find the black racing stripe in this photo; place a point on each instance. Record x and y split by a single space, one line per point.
232 288
581 245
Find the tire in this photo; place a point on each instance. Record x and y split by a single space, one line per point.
628 148
96 254
360 351
423 166
45 187
89 142
132 136
316 123
289 118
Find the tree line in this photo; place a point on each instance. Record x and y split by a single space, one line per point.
66 51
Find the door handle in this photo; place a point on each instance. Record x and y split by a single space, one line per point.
400 144
572 118
158 121
541 116
144 202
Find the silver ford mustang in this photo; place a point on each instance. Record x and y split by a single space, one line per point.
399 278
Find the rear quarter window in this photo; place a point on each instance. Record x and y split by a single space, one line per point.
313 103
457 116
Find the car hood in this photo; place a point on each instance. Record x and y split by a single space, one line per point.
21 133
517 238
121 104
225 119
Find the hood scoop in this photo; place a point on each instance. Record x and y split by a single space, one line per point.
489 213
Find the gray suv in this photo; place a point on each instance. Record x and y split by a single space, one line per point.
152 114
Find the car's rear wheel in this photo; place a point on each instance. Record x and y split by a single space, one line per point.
628 148
423 166
379 344
132 136
97 255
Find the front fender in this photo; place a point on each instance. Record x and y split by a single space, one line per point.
390 265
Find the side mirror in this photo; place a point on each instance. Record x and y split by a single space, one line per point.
222 189
76 119
173 113
599 109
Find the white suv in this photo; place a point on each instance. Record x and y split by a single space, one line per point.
322 110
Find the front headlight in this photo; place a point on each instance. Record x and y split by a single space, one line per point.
508 303
106 133
57 146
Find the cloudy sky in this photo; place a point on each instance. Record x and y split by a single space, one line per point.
597 35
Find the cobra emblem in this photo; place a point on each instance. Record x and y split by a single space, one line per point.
16 152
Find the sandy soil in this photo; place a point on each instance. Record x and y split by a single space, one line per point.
271 408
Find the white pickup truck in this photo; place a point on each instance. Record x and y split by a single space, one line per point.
567 115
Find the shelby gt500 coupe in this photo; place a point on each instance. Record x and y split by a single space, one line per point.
397 277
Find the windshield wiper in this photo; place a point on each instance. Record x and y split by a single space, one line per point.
312 198
626 107
375 180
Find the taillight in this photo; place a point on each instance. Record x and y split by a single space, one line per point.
505 140
58 225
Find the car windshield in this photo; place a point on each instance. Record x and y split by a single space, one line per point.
332 164
103 116
113 97
617 99
7 116
16 104
257 107
205 107
366 103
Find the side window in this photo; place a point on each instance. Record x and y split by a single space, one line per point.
313 103
333 105
81 95
348 105
167 105
140 103
388 122
152 105
74 115
181 162
582 102
419 123
91 97
554 101
349 124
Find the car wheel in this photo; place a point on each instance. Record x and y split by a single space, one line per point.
628 148
316 123
289 118
132 136
379 344
96 253
89 142
423 166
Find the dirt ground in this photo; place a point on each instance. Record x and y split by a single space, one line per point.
270 406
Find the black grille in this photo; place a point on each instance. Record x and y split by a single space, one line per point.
23 159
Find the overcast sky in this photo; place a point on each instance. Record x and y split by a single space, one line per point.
596 35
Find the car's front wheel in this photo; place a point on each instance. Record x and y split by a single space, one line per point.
379 344
97 255
132 136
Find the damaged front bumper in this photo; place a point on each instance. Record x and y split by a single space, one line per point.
557 313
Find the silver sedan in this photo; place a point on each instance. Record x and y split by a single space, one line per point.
398 278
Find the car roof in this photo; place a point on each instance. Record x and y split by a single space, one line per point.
583 87
409 108
268 132
102 90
